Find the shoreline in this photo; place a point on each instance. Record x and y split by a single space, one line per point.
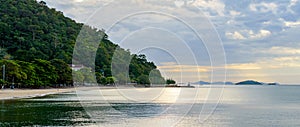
13 94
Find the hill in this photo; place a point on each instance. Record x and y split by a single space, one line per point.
202 83
226 83
249 82
213 83
37 44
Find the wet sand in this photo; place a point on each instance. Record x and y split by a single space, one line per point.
6 94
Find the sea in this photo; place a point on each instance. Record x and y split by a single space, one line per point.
202 106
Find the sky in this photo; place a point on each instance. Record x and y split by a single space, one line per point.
209 40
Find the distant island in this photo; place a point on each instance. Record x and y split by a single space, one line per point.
273 83
249 82
213 83
252 82
246 82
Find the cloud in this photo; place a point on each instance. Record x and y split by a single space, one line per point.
292 24
259 70
215 6
244 66
278 69
184 68
78 1
285 62
235 35
287 59
80 10
257 36
260 34
263 7
279 50
247 34
173 67
292 3
234 13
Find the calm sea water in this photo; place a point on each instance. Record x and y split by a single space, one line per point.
246 106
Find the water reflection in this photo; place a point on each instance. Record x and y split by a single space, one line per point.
42 112
240 106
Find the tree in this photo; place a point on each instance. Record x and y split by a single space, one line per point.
43 3
31 76
143 79
45 72
100 78
111 80
170 81
78 77
13 71
29 30
2 82
121 78
63 70
156 78
3 53
88 75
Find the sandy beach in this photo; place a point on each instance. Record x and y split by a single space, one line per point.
7 94
29 93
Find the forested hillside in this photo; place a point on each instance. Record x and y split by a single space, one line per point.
37 45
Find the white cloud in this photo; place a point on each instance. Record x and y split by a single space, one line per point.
270 63
245 21
260 34
78 0
292 24
211 5
231 22
287 59
267 23
278 50
285 62
264 7
234 13
247 34
293 3
184 68
244 66
235 35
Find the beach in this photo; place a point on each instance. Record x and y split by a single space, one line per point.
245 106
7 94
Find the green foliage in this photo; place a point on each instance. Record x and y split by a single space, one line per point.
38 73
13 70
30 30
63 71
45 72
170 81
37 45
156 78
1 81
3 53
31 76
143 79
88 75
78 77
110 80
